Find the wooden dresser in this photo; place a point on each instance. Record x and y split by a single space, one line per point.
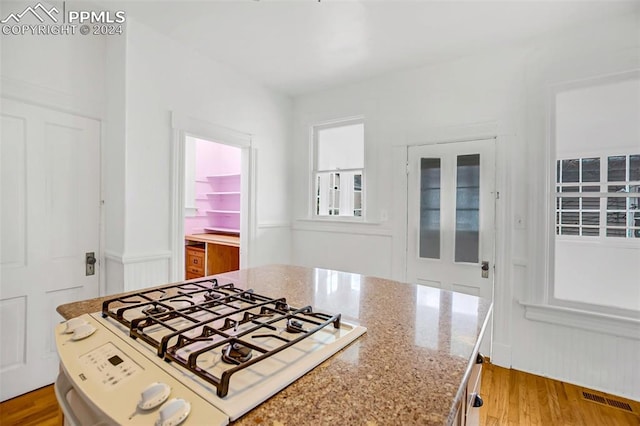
209 254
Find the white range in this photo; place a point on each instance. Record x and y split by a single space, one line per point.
191 353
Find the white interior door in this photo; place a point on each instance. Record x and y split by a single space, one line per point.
451 208
50 218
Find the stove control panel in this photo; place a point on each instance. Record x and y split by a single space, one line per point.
109 365
109 374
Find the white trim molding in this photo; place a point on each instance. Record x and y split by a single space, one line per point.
265 225
342 227
126 259
44 96
210 131
184 126
575 318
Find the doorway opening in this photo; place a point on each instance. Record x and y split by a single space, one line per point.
212 189
212 210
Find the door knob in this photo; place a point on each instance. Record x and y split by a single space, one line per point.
485 269
90 263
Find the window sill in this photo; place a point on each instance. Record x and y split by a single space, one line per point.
590 321
342 226
337 219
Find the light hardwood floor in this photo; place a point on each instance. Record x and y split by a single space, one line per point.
510 398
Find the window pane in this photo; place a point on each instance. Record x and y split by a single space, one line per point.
590 170
467 208
430 208
566 230
617 169
570 170
616 233
570 203
616 203
590 232
592 218
634 167
340 147
557 171
569 218
590 203
617 219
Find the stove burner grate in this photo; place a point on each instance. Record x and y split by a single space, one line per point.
246 326
236 353
154 309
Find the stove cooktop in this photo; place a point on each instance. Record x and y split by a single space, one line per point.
231 348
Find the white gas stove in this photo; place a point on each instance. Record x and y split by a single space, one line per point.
197 352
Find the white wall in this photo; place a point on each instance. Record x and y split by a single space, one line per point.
66 70
163 76
507 91
405 108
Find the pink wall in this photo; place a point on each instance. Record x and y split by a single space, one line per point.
211 159
216 159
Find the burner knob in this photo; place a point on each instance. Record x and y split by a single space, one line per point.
74 323
173 412
154 395
83 331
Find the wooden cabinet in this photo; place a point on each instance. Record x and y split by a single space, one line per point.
194 261
222 258
468 408
209 254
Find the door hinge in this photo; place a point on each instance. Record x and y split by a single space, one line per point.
407 167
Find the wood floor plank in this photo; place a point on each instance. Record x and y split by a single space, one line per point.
513 415
37 408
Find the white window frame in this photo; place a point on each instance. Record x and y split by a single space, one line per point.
551 304
315 173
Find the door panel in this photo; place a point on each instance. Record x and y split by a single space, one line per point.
50 182
451 215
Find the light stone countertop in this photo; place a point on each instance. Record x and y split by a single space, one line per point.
408 368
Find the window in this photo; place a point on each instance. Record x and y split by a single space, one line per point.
596 228
339 169
589 206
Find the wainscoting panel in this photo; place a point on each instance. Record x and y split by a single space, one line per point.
146 271
367 254
586 358
134 272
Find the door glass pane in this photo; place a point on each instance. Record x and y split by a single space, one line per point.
467 208
430 208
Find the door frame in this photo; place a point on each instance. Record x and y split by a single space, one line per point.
184 126
504 262
494 222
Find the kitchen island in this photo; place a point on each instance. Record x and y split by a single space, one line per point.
410 367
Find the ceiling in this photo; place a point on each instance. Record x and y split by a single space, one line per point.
301 46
